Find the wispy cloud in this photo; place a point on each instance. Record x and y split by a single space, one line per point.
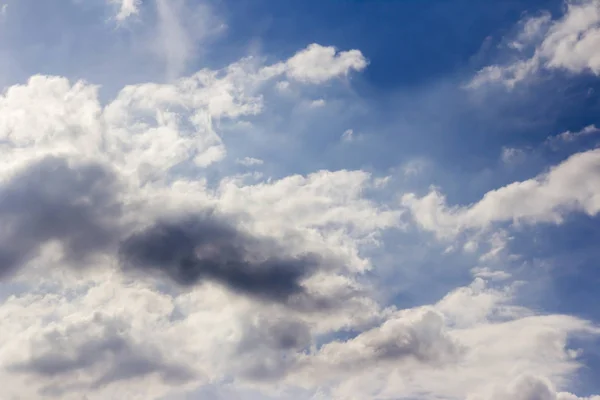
249 161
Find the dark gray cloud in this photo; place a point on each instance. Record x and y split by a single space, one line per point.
53 200
197 248
108 356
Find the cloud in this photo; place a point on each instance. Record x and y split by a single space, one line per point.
417 335
516 155
143 133
348 135
531 387
77 207
119 189
467 345
317 64
101 351
571 186
570 44
54 200
249 161
317 103
264 287
175 43
201 247
568 136
127 8
511 155
269 348
175 32
415 167
508 75
49 114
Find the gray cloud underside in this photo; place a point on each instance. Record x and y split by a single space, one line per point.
201 247
52 200
112 352
78 205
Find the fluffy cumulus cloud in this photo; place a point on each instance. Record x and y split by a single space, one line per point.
135 265
570 43
317 63
91 192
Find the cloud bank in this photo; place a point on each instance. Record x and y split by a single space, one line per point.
138 262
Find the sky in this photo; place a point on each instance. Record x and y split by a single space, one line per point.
305 200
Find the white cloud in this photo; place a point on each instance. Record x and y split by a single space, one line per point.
318 64
127 8
134 130
571 43
508 75
249 161
282 86
532 29
174 41
144 343
468 345
530 387
179 32
488 274
465 346
572 186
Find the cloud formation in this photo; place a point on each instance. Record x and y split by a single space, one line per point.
200 247
53 199
317 64
531 387
572 186
570 43
255 286
100 347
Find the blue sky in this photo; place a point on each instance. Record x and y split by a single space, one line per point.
209 199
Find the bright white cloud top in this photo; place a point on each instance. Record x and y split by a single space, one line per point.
130 272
